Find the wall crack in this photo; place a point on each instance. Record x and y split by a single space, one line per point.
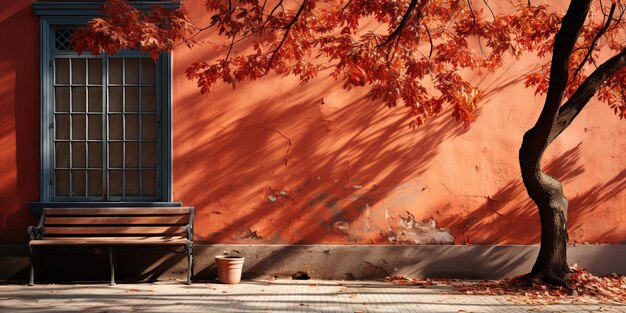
286 157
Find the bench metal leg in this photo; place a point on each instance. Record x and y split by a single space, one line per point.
32 268
112 264
189 263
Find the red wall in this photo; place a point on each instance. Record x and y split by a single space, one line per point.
19 118
274 162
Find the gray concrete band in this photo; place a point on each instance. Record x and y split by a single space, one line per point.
337 262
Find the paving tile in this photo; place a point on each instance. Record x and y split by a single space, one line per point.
263 296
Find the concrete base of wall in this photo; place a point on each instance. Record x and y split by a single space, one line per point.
318 261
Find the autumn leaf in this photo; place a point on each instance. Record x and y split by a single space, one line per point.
411 59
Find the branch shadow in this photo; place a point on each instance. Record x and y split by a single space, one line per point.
279 174
504 218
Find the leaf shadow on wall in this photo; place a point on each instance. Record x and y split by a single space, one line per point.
588 207
504 218
290 172
291 168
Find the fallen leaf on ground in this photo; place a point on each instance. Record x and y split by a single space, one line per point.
404 280
586 287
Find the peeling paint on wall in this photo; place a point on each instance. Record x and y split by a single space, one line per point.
250 234
406 230
341 226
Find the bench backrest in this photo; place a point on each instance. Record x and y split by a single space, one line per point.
165 222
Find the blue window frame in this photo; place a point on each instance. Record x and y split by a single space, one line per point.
105 120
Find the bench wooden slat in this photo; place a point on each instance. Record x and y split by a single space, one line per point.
113 238
105 220
102 230
117 242
118 211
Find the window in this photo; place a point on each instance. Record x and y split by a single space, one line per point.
105 120
105 128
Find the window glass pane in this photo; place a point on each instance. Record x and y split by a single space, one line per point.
94 182
132 99
148 72
95 99
62 99
132 155
148 99
132 71
95 71
116 155
62 154
78 99
62 71
95 127
78 183
132 127
132 183
148 154
116 127
78 127
95 155
78 71
148 182
62 126
148 127
115 71
115 183
116 99
78 154
62 183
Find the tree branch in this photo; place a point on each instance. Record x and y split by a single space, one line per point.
469 5
402 24
291 23
564 43
594 42
279 4
587 89
230 49
537 139
346 6
490 10
430 39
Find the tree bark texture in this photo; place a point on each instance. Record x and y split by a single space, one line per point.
546 191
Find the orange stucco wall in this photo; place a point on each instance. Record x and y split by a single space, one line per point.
275 162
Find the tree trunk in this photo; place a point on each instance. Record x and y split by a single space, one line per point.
547 193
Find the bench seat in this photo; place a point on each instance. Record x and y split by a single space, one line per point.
114 227
112 241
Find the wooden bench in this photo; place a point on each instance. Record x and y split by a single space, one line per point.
113 228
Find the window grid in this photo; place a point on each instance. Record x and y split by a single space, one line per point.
62 39
123 114
73 168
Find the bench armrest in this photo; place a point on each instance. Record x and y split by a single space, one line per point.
36 232
189 227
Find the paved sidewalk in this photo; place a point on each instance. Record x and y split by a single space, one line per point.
264 296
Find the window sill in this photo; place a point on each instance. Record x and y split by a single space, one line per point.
37 207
